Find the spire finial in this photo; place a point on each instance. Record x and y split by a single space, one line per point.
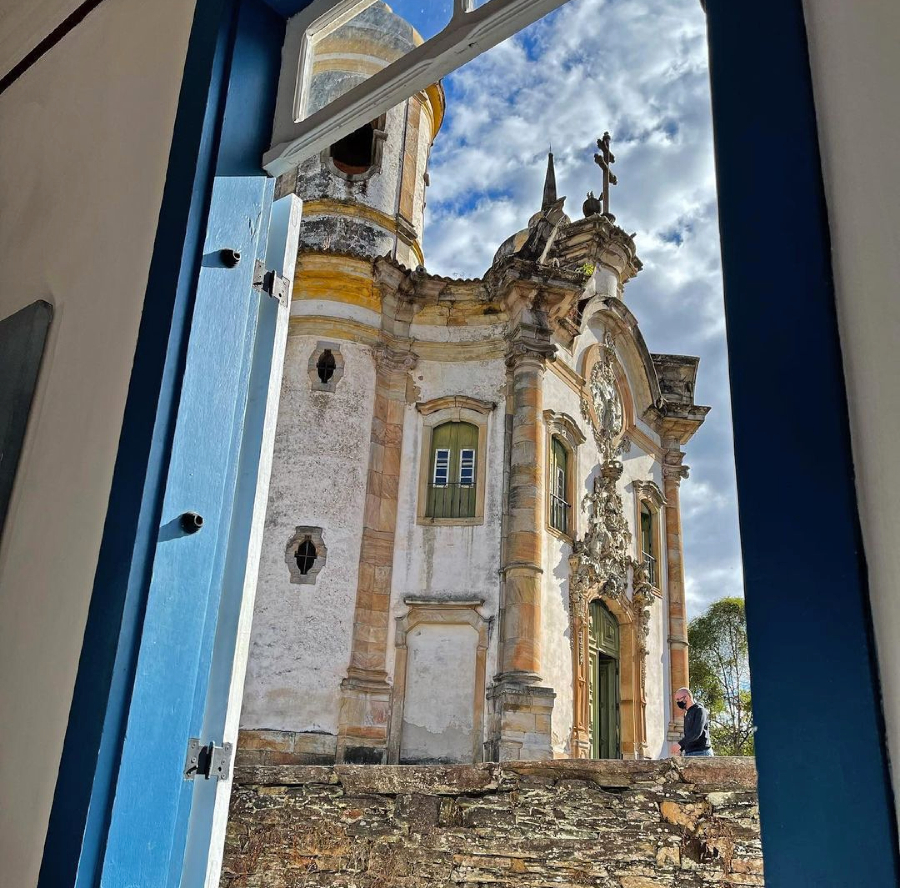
549 197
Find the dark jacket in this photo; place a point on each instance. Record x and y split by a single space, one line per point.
696 730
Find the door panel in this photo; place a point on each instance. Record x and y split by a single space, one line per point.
173 663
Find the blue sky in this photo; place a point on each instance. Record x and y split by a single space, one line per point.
637 68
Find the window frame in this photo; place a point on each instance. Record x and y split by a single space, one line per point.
565 429
468 33
315 381
301 534
647 493
434 413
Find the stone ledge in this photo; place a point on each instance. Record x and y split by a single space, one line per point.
722 772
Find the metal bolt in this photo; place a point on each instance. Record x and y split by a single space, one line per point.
191 522
229 257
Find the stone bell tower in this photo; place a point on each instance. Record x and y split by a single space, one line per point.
365 195
326 693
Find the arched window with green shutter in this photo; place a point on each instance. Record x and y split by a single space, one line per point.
453 471
560 507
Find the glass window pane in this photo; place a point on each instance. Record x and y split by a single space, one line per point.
467 467
441 467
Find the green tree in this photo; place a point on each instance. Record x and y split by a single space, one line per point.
720 675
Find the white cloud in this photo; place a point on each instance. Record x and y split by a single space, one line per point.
637 68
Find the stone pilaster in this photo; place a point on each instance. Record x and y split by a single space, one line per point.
365 692
673 472
521 710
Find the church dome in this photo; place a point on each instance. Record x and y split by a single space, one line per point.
516 241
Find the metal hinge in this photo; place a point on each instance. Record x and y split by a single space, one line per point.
207 761
268 281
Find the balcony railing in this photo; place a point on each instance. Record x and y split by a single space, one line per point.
650 567
559 513
451 501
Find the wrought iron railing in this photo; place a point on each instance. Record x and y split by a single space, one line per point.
451 501
559 513
651 568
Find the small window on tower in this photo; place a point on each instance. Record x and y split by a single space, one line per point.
560 499
326 365
306 556
355 154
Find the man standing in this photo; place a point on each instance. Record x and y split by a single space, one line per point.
696 726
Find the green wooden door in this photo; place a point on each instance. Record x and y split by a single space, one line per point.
604 682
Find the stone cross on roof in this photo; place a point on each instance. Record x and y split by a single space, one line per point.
604 160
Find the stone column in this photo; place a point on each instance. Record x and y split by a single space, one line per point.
365 692
520 724
673 472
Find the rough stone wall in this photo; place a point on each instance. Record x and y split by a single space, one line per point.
683 823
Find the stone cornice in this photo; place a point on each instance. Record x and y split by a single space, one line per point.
598 240
565 426
451 402
648 490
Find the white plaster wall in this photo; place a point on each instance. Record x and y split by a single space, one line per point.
856 69
83 157
300 644
451 562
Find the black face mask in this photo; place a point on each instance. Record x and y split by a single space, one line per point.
681 704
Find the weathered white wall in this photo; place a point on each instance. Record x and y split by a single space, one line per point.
856 69
83 157
438 716
300 644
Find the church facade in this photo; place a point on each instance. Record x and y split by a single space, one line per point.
473 543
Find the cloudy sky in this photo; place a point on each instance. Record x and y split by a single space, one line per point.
638 69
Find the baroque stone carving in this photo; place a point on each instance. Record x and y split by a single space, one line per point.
391 360
601 564
603 410
601 559
672 468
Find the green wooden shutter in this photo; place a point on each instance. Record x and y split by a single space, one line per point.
456 445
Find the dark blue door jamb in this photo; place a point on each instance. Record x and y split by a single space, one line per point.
824 789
